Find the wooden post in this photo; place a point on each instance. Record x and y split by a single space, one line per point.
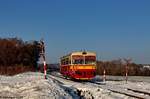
104 76
127 63
126 73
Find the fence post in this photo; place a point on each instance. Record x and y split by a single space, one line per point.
127 63
104 76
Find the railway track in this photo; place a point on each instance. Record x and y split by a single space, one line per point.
139 91
131 92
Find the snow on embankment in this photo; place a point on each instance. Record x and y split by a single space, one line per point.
87 90
32 86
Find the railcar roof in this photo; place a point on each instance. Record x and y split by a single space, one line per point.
80 53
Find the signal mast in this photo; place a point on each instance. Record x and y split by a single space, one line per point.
42 54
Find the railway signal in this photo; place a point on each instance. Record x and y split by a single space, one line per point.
42 54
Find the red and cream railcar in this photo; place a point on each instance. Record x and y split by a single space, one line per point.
78 65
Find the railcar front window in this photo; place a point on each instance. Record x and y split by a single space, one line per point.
90 60
77 59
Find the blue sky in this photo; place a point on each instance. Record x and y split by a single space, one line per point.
112 28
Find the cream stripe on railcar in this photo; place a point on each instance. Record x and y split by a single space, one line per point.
81 53
83 67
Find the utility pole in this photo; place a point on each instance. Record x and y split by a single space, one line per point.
126 67
42 54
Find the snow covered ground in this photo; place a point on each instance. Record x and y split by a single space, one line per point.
32 85
103 90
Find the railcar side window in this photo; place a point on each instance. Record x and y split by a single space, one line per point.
65 61
62 62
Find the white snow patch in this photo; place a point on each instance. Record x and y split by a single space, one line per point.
31 86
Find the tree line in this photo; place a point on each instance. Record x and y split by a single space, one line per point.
118 68
18 56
